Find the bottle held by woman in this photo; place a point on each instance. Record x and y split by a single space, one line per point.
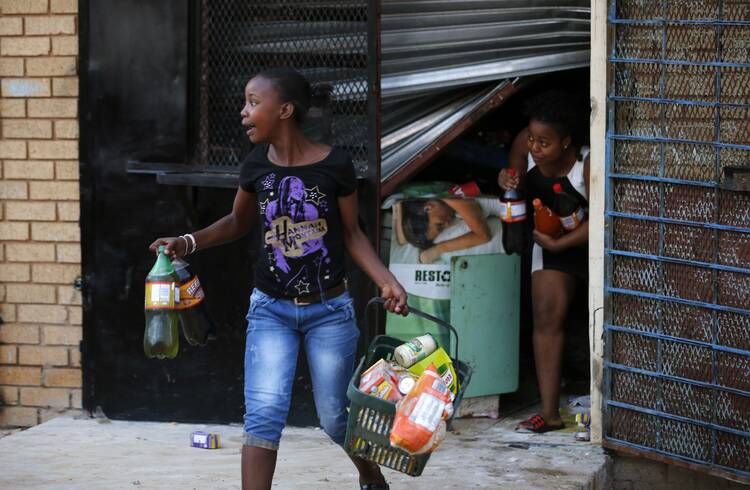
161 338
545 221
568 209
513 218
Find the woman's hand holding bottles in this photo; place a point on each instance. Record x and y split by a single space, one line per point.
173 246
508 180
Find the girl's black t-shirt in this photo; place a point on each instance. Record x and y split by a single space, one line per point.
302 245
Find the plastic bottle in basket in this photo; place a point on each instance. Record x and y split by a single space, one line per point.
416 426
513 218
196 323
567 208
415 350
161 337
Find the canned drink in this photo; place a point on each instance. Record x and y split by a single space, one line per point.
415 350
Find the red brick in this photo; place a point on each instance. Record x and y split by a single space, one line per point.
35 355
45 397
69 378
18 416
17 375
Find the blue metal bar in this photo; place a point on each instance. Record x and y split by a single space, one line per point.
624 98
615 59
674 260
681 340
678 379
678 22
701 462
650 178
678 418
659 139
700 304
618 214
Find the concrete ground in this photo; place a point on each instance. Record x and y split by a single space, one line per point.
87 453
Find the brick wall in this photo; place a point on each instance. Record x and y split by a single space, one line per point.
40 373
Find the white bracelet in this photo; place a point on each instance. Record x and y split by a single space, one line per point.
192 239
187 245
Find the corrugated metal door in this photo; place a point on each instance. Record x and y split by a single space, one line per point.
677 384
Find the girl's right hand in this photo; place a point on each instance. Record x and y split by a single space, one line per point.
173 246
507 181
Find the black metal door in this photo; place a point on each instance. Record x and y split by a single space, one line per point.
144 98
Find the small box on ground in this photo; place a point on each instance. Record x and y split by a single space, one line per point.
204 440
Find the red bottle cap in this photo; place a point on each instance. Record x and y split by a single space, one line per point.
512 172
557 188
537 203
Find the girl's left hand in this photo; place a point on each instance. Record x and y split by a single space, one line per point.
429 255
548 243
395 298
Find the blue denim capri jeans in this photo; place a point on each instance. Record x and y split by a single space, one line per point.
275 329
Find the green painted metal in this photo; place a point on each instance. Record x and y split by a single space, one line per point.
485 310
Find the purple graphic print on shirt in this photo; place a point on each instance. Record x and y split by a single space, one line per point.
294 229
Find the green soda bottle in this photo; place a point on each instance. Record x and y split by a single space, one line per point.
161 338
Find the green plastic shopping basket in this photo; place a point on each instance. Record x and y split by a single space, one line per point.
370 419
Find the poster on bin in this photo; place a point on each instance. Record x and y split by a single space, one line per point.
428 231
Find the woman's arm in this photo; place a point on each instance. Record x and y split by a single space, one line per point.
361 251
478 233
577 237
398 224
518 158
229 228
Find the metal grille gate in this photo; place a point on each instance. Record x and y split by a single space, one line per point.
326 40
677 326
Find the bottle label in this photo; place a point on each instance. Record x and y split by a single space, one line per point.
513 211
161 296
570 223
190 294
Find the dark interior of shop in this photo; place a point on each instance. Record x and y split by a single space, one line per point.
478 155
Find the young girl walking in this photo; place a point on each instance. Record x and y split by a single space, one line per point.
304 195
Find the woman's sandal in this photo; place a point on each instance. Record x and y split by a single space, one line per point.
537 425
